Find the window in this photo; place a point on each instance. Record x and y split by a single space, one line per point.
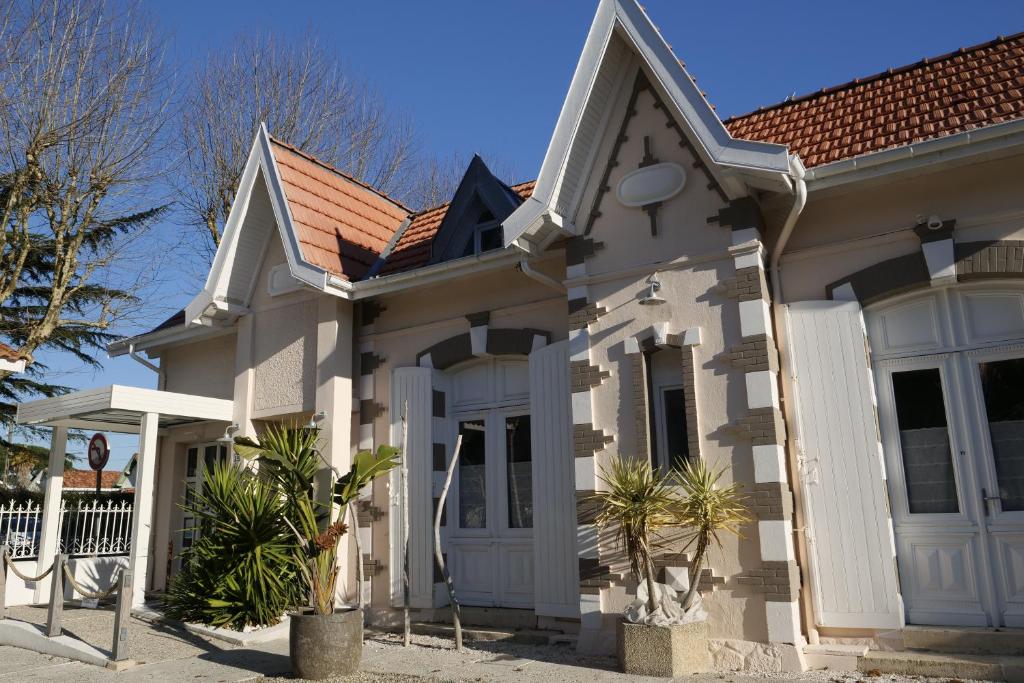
924 441
520 472
487 236
667 409
472 475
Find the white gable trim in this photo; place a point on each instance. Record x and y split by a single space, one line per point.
625 19
212 303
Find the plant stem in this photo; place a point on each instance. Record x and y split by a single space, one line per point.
439 556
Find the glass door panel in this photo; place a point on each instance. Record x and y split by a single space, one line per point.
924 442
519 472
473 475
1002 383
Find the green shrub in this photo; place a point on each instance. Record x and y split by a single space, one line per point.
241 570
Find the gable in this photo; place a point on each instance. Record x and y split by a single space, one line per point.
668 217
622 38
342 225
480 200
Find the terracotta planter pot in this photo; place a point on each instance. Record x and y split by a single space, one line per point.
668 651
326 645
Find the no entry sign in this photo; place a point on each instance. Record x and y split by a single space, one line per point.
98 452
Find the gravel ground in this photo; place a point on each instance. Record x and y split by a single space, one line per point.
168 654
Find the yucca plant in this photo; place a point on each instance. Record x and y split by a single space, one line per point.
638 503
241 570
288 457
705 511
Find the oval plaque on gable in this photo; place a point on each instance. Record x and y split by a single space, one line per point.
651 184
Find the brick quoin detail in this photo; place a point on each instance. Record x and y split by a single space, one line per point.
708 580
762 426
771 501
749 284
582 313
753 355
371 567
585 376
690 401
368 513
641 422
586 440
587 507
977 260
778 581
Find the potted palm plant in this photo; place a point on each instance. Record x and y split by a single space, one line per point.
325 640
661 634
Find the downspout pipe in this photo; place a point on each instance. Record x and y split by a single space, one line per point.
529 272
134 355
796 173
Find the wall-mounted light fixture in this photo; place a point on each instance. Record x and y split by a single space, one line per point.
651 297
229 434
318 417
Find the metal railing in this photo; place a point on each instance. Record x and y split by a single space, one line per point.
86 529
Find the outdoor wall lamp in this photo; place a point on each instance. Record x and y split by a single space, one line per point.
318 417
651 297
229 434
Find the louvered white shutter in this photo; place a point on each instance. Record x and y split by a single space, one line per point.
411 389
556 572
850 536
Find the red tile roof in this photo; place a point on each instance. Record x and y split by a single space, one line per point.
10 353
86 479
343 225
970 88
413 247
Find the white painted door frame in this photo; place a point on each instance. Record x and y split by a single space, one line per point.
942 557
963 568
503 555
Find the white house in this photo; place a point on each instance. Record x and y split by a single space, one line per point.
826 294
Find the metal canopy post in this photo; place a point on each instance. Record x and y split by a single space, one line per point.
142 517
49 537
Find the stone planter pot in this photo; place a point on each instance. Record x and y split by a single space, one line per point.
668 651
325 645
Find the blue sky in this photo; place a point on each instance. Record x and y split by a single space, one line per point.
489 77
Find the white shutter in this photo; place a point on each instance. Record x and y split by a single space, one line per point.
850 538
411 388
556 567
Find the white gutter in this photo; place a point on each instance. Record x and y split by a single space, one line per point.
427 275
529 272
792 417
950 148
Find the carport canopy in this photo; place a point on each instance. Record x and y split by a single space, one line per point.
115 408
119 408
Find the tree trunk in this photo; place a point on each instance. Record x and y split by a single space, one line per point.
439 556
698 560
649 575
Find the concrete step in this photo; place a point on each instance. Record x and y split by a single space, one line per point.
521 636
963 640
936 665
835 657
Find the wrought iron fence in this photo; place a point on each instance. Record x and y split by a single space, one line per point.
86 529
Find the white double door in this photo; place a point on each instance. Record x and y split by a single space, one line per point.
490 509
953 435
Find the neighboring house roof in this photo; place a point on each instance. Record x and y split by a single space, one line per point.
343 225
412 249
952 93
86 479
10 353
